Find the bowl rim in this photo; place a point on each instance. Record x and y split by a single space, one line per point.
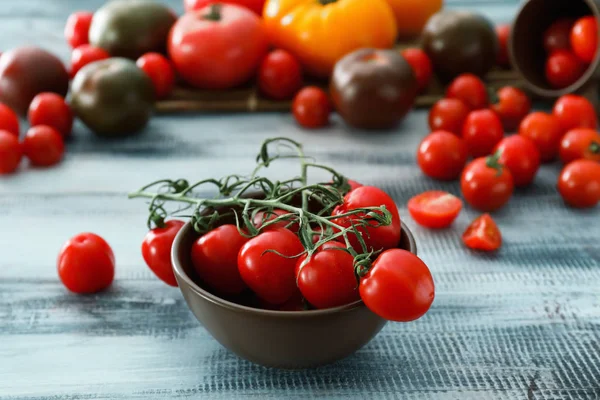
183 278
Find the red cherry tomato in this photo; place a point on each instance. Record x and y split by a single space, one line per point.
398 287
513 105
215 255
52 110
268 274
483 234
442 155
434 209
263 217
584 38
556 37
503 33
77 28
156 250
219 46
421 66
448 115
579 183
354 185
10 152
84 55
563 69
311 107
86 264
486 184
43 145
545 131
280 75
482 132
470 90
575 111
9 120
522 158
160 71
578 144
254 5
376 238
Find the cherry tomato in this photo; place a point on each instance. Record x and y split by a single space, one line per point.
156 250
160 71
84 55
254 5
311 107
522 158
470 90
563 69
215 256
483 234
52 110
503 33
9 120
584 38
398 287
578 144
354 185
556 37
486 184
10 152
280 75
482 132
268 274
421 65
442 155
78 27
263 217
575 111
545 131
86 264
579 183
43 145
513 105
376 238
434 209
448 115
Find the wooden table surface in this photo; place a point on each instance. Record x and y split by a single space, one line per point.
521 324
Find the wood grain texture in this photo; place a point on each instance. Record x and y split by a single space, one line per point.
521 324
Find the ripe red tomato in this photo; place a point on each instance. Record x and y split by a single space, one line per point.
421 66
52 110
10 152
448 115
311 107
521 157
563 69
513 105
503 33
354 185
398 287
442 155
584 38
77 28
84 55
263 217
579 183
545 131
434 209
9 120
486 184
376 238
482 132
160 71
156 250
215 256
86 264
43 145
268 274
483 234
254 5
219 46
280 75
556 36
470 90
578 144
575 111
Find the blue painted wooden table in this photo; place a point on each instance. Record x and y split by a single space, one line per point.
521 324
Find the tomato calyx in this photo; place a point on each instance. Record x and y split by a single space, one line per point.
493 162
325 2
594 147
214 12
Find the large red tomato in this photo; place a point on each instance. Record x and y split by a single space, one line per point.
255 5
217 47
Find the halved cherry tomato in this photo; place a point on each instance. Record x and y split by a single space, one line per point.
156 250
442 155
10 152
579 183
575 111
482 132
421 65
503 33
280 75
486 184
434 209
578 144
557 35
448 115
513 105
470 89
483 234
584 38
521 157
545 131
563 69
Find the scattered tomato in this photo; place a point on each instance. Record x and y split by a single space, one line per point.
557 35
77 28
563 69
156 250
311 107
503 33
10 152
9 120
486 184
579 183
470 89
160 71
575 111
448 115
442 155
43 146
434 209
580 144
254 5
51 109
280 75
522 158
262 217
545 131
483 234
482 132
513 105
584 38
421 65
84 55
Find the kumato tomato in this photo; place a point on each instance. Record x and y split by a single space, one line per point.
579 183
442 155
486 184
522 158
434 209
578 144
156 250
483 234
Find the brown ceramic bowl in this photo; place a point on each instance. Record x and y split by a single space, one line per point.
282 339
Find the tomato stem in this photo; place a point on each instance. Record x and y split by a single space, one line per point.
214 12
594 148
493 161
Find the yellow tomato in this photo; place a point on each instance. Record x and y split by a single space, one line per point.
412 15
